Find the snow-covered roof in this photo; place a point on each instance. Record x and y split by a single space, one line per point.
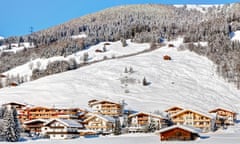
174 107
102 101
220 108
66 122
103 117
184 127
36 120
15 103
40 107
150 114
194 111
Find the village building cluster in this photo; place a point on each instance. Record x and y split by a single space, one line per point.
108 117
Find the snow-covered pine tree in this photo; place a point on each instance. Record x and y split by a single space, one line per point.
11 127
1 113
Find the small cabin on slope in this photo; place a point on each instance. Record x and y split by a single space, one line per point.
178 133
167 57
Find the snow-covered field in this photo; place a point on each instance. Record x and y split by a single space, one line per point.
219 137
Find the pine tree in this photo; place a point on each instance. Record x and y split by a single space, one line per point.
117 127
11 126
144 82
85 57
124 42
125 70
131 70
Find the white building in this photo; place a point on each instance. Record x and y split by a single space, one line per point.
61 129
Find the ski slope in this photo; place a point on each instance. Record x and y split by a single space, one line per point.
188 80
112 49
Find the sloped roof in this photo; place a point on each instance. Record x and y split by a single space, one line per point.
184 127
150 114
174 108
14 102
39 107
103 117
66 122
220 108
194 111
36 120
102 101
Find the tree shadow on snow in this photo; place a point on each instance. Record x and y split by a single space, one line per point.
204 137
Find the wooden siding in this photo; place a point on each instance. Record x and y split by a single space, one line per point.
177 134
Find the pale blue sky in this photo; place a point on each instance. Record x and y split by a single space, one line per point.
17 16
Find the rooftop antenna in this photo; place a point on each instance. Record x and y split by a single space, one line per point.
31 29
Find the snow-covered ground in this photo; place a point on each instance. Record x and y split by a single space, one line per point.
113 49
235 35
16 47
188 80
219 137
201 8
79 36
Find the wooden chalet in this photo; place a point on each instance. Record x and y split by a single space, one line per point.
138 122
224 116
167 57
178 133
61 129
99 123
37 113
197 119
106 107
34 126
173 110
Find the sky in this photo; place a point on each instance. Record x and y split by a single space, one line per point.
17 16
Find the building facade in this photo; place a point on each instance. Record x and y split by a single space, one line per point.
62 129
197 119
143 122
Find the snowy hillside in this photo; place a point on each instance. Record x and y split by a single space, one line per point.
201 8
112 49
1 37
188 80
14 47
